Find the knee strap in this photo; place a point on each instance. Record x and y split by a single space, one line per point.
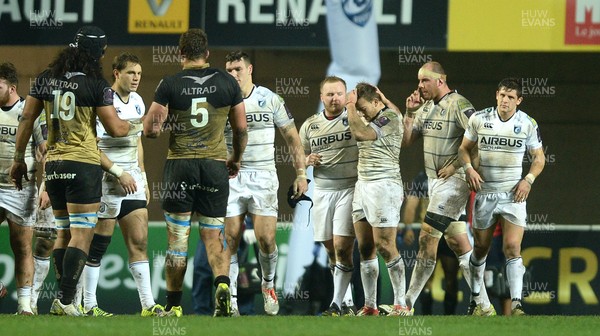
439 222
178 227
455 228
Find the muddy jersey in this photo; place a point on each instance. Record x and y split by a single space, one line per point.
442 125
332 139
265 110
380 158
199 100
123 150
9 122
502 145
70 103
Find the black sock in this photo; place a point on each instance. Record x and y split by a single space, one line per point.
73 263
222 279
59 255
426 300
173 299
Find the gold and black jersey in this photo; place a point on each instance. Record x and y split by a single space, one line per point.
199 100
70 105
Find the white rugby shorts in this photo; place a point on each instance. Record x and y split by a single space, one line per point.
253 191
378 201
448 197
332 214
489 206
19 206
113 194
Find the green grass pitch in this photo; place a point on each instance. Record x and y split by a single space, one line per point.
300 325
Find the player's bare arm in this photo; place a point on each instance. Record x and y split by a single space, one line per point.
523 188
153 123
239 128
113 125
413 103
359 130
473 179
140 152
292 139
32 110
388 102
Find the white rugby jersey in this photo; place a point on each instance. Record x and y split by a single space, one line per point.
502 145
122 150
380 159
264 111
9 122
442 126
332 139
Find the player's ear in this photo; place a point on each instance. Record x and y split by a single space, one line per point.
250 68
519 100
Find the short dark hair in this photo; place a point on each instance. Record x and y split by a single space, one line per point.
366 91
511 83
238 55
120 61
193 44
332 79
8 72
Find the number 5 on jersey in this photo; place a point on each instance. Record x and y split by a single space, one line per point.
199 108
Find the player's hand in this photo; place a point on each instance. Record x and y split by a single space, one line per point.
313 160
147 195
409 236
128 183
44 200
383 98
249 236
473 179
300 187
446 171
414 101
18 171
232 168
521 191
351 97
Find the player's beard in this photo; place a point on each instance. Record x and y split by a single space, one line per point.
4 99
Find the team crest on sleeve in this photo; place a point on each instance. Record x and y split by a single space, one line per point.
108 96
381 121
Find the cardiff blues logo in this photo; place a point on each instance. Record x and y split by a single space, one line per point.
345 121
358 11
138 109
517 129
262 103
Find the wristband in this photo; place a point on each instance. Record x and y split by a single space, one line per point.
19 156
301 176
530 178
116 170
467 166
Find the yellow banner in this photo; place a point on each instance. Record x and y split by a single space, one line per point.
158 16
524 25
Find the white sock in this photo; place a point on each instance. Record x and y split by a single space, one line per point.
348 300
514 272
341 279
268 265
421 273
477 269
78 298
90 283
41 266
140 270
398 279
24 298
369 271
234 270
463 262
